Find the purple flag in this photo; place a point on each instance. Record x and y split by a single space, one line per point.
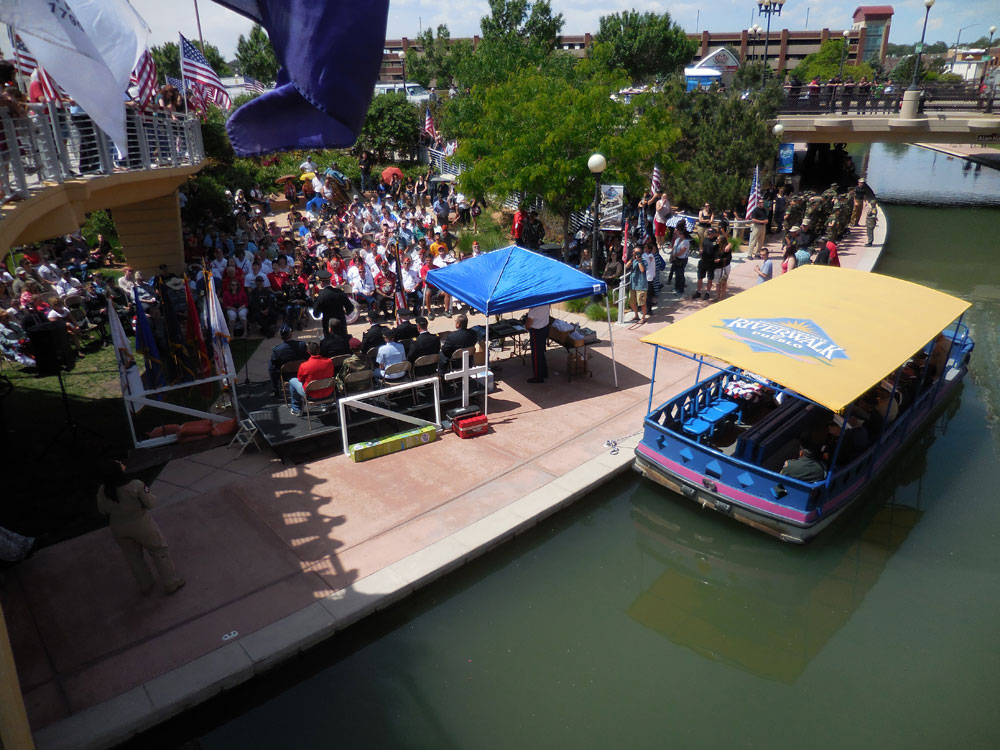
330 53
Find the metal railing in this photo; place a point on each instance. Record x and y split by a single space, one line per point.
53 145
874 100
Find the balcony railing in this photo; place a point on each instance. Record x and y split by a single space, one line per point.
850 99
52 145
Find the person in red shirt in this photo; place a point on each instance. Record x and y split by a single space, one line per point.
517 230
314 368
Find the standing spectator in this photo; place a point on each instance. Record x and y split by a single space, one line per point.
758 229
662 214
765 269
537 323
635 267
723 262
682 250
870 221
517 227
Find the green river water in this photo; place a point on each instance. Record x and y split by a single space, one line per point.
636 620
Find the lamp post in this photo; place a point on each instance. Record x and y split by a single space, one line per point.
755 36
843 53
596 164
986 57
402 60
920 47
954 56
769 8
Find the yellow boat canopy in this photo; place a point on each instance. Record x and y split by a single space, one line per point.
827 333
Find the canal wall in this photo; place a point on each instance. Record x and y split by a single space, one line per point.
988 157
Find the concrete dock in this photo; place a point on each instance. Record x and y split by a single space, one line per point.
280 557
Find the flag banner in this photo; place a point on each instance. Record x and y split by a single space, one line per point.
625 243
196 341
182 368
144 78
128 371
786 158
429 123
330 53
223 355
195 69
27 65
252 85
177 83
655 182
754 200
612 203
90 48
146 343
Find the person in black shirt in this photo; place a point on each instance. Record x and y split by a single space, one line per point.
424 343
331 302
405 332
460 338
336 342
289 350
706 262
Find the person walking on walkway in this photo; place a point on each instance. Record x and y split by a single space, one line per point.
127 504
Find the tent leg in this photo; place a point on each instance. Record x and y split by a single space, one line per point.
486 375
611 338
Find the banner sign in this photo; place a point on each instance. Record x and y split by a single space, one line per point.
786 158
612 203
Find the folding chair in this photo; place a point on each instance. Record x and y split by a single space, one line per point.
357 382
288 371
339 360
319 385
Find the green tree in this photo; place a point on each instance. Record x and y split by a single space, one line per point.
644 45
256 57
438 59
825 64
524 20
930 69
534 132
168 59
392 124
723 137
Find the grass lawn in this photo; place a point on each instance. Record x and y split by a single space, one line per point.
53 472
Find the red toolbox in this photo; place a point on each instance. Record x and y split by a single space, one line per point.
471 426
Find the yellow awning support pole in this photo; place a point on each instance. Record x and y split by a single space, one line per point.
15 734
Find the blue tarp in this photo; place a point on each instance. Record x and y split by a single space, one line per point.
513 278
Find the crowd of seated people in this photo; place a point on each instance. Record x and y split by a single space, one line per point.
54 282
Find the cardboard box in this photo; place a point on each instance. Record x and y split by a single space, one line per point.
393 444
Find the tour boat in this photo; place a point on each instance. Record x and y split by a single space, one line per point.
845 363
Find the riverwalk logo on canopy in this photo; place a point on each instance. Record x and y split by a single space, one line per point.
791 337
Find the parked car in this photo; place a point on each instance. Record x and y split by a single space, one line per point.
415 93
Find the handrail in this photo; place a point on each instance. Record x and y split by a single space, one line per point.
53 145
885 99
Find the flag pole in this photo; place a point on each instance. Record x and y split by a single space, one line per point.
197 19
12 33
180 60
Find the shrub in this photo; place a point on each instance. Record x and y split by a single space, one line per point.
100 222
736 242
577 305
599 313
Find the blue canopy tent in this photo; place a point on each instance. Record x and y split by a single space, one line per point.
513 278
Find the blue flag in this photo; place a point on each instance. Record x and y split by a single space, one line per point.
145 343
330 52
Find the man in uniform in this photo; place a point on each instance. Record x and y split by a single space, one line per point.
357 362
289 350
331 302
425 343
263 309
460 338
807 466
870 221
335 342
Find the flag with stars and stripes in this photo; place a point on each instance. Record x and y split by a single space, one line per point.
177 83
654 183
196 97
252 85
144 77
429 124
196 69
754 200
26 65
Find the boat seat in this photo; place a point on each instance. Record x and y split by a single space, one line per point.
720 410
697 428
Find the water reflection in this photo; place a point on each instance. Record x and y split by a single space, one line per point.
739 599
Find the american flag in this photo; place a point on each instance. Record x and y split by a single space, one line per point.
144 76
196 97
654 183
196 69
429 124
252 85
754 200
177 83
27 64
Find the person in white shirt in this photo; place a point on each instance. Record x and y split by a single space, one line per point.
537 323
49 272
444 259
308 165
389 353
67 285
256 272
218 264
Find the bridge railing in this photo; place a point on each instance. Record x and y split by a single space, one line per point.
52 145
852 99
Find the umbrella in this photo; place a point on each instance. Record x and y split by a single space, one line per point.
285 178
676 219
388 172
307 176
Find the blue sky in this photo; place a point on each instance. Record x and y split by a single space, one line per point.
223 27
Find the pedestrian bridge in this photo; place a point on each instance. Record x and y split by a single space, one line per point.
57 166
839 113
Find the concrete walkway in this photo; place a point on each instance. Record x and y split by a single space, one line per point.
976 153
278 558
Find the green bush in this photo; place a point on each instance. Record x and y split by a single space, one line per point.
599 313
100 222
736 242
577 305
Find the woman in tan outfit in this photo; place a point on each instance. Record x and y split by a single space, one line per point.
127 505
